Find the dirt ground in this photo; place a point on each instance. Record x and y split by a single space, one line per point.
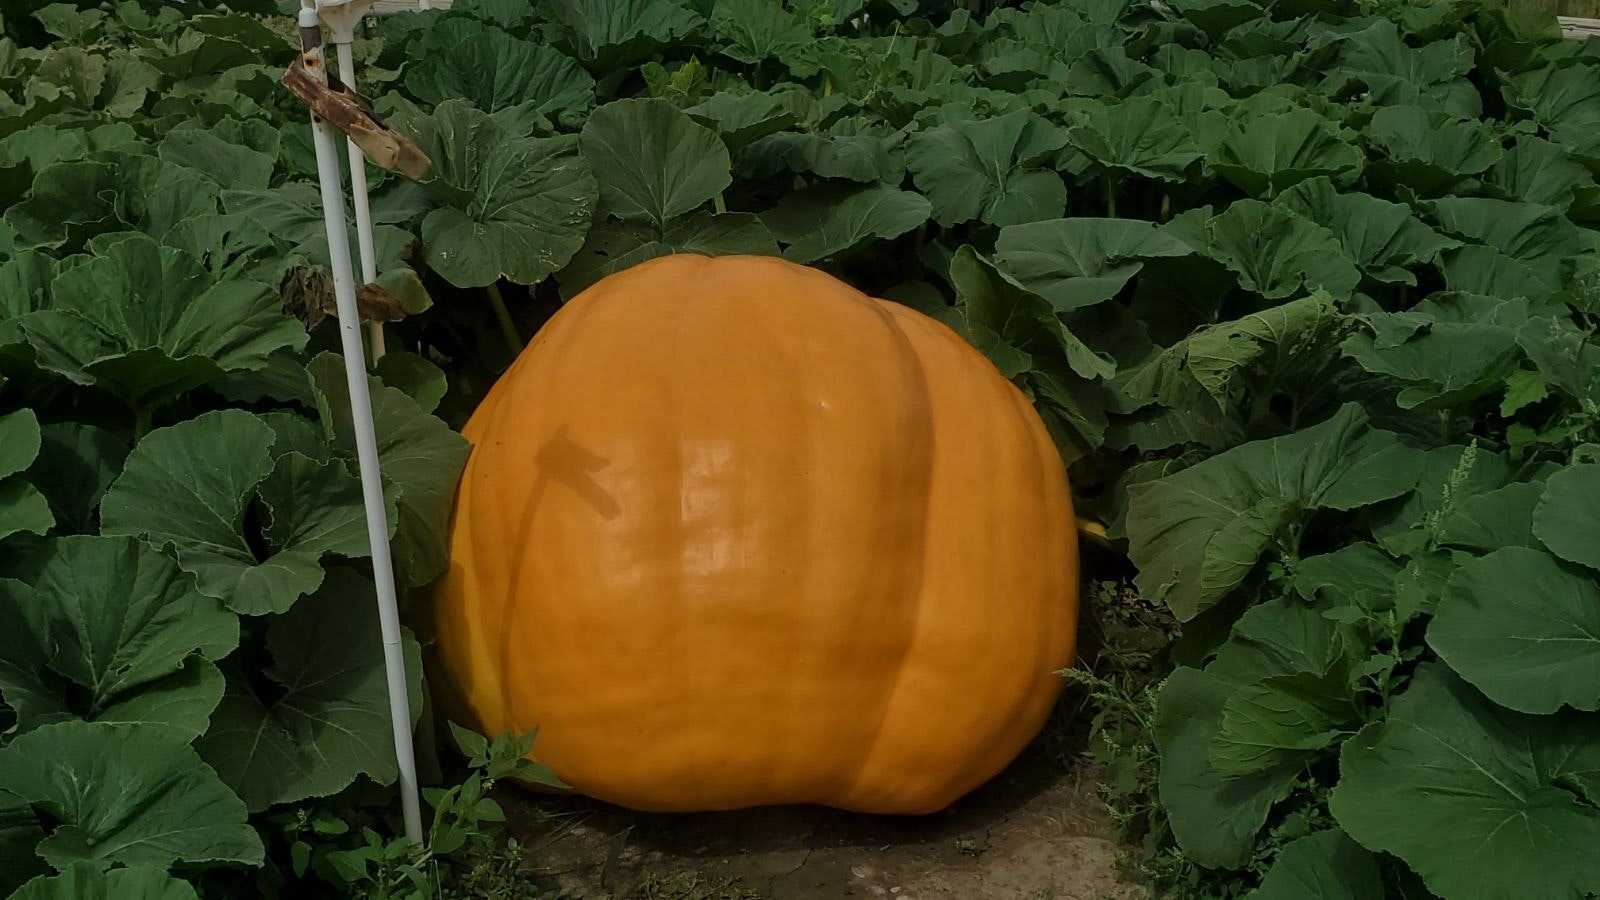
1036 832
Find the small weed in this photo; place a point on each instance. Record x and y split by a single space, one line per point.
691 886
1119 677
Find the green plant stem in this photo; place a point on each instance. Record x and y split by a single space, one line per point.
508 328
141 422
719 204
1111 195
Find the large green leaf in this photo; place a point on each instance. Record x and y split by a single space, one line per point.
1359 575
1480 269
288 216
1537 171
830 220
1488 521
1195 535
76 79
1268 154
971 170
1217 16
462 58
72 201
146 322
20 439
1523 628
228 163
1538 236
1382 238
1451 476
1012 325
1449 349
652 161
188 487
1427 155
608 35
1565 356
1279 719
1214 818
1322 866
1567 519
167 805
22 507
420 457
85 881
615 246
105 619
1139 135
742 118
1431 76
865 157
1483 803
756 30
506 206
1275 252
1075 263
327 719
70 198
1216 366
1563 99
1215 813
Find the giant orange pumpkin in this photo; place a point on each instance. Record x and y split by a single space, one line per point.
734 534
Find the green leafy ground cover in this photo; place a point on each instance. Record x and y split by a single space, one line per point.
1306 292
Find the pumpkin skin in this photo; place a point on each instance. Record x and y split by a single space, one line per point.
736 534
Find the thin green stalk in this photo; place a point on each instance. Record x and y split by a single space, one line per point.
1111 195
720 204
141 422
508 328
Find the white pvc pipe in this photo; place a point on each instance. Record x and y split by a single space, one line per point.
344 292
358 193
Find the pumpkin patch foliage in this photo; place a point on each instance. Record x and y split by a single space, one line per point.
1306 291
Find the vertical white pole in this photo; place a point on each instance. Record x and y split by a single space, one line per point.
344 291
358 193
